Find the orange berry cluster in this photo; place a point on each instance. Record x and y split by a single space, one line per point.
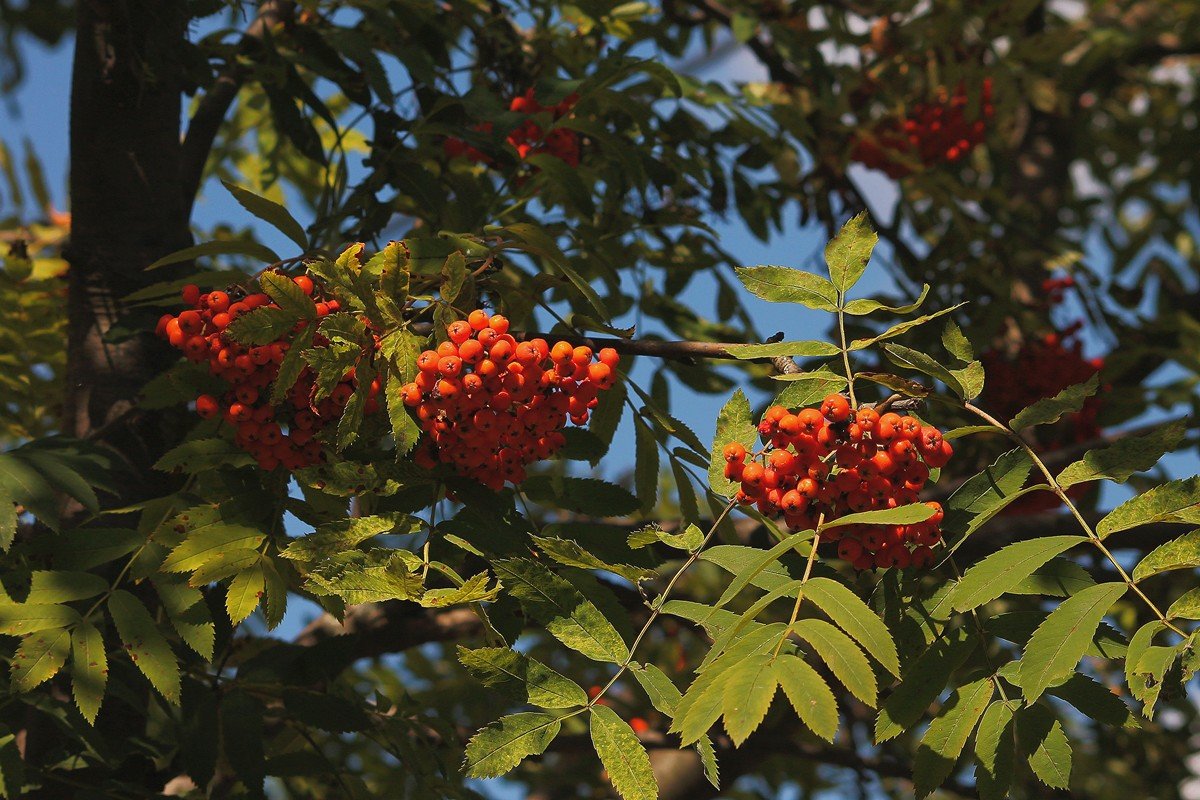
528 138
932 133
836 460
276 436
1042 368
490 405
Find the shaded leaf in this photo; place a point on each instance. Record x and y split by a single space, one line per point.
1062 639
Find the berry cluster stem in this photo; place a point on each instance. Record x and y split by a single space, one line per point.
1083 523
812 558
661 600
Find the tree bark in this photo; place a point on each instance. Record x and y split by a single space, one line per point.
127 210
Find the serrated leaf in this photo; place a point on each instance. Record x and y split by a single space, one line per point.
994 751
590 496
813 389
1124 457
145 643
757 564
224 565
1186 607
1043 737
343 534
956 342
776 349
189 614
61 586
499 747
474 589
688 540
39 657
749 689
292 365
847 253
1051 409
734 424
623 756
18 619
207 543
89 669
1164 503
571 554
923 682
909 358
900 515
261 326
1093 699
8 518
275 595
1007 567
645 465
808 694
904 327
562 609
1181 553
224 247
198 455
1061 640
842 656
290 298
244 592
985 494
522 677
943 743
853 616
664 695
904 386
868 306
269 212
1056 578
786 285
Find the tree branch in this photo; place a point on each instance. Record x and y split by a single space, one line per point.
211 111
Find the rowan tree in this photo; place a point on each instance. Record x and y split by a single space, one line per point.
324 519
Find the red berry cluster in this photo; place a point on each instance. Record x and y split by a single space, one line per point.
1042 368
491 405
276 436
828 462
932 133
528 138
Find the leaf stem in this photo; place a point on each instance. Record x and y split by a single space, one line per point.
1083 523
656 609
812 557
841 319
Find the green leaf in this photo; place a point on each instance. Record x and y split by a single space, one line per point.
208 542
225 564
1062 639
145 643
589 496
261 326
786 285
8 518
1125 456
368 577
224 247
244 592
856 618
749 688
1005 568
645 465
777 349
810 390
18 619
994 751
956 342
292 365
734 424
901 515
499 747
474 589
1051 409
848 253
809 695
1146 665
1093 699
1058 577
270 212
868 306
760 561
275 594
904 327
521 677
189 614
947 735
923 683
344 534
1186 607
842 656
539 242
1043 737
623 756
1181 553
984 495
562 609
290 298
571 554
1164 503
688 540
60 586
89 669
909 358
199 455
663 693
39 658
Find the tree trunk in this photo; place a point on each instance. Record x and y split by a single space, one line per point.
127 209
